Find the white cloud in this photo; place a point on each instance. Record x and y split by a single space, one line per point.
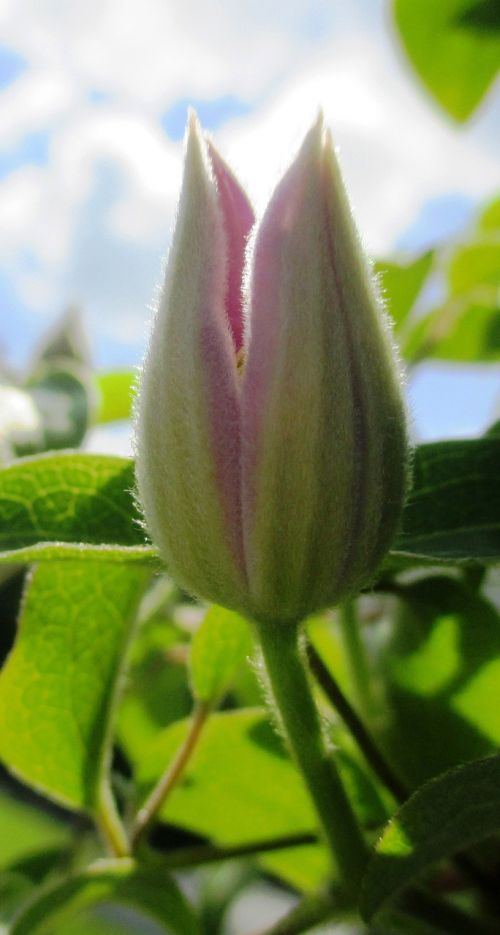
36 101
66 234
395 150
152 51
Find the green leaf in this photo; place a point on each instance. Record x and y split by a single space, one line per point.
150 890
402 284
446 815
456 61
69 498
239 787
453 511
475 266
494 430
466 326
481 15
441 667
81 552
58 687
156 693
219 647
489 219
27 829
116 393
14 891
463 331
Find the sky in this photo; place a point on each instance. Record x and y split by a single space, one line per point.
93 100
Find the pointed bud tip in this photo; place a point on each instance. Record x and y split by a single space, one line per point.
197 161
193 124
312 144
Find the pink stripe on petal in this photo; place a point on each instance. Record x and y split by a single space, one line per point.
238 220
224 414
267 312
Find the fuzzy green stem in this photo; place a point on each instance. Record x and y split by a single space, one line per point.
292 695
110 825
357 663
172 774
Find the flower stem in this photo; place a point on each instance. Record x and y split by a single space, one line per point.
172 774
214 853
352 721
110 825
357 663
292 695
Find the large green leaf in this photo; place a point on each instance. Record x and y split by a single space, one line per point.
454 55
69 498
58 688
239 787
402 283
151 891
453 511
446 815
441 669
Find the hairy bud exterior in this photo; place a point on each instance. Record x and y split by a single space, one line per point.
275 487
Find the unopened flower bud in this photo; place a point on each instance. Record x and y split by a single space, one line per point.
275 487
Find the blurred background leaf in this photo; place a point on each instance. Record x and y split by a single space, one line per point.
454 46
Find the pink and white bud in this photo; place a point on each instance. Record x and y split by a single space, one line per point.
274 487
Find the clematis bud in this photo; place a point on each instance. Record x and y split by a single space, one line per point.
274 486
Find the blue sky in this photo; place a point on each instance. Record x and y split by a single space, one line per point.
93 105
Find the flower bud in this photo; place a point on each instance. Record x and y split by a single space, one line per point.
274 488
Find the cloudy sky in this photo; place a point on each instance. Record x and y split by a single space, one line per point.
93 99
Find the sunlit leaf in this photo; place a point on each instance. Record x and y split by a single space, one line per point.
70 497
81 552
475 266
58 687
239 787
441 672
489 219
402 284
455 60
461 331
